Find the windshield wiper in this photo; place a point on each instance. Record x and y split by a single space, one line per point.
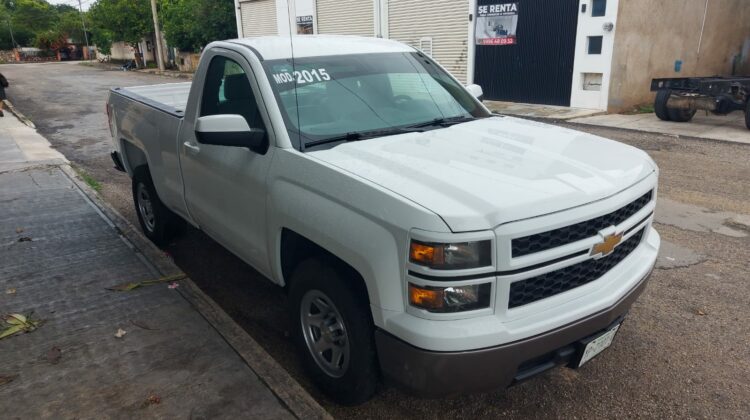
443 122
360 135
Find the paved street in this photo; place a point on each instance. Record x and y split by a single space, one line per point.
683 351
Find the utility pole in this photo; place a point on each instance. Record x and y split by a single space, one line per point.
157 35
10 28
85 32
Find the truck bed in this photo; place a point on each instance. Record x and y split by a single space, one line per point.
167 97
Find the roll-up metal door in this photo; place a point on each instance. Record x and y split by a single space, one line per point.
351 17
258 18
443 24
538 68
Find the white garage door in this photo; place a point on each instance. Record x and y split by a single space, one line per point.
351 17
258 18
440 25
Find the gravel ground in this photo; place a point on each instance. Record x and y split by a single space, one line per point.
684 351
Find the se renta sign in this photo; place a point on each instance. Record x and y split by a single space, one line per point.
496 24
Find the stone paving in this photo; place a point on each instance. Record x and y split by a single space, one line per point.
58 256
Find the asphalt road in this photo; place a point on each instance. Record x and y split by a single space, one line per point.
683 352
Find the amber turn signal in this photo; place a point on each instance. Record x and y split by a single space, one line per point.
426 254
429 298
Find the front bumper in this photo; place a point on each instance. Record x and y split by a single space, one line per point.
431 373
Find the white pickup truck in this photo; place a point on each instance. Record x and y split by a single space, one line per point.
421 238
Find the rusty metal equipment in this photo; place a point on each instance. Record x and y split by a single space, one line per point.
677 99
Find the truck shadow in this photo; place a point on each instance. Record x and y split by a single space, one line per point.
260 308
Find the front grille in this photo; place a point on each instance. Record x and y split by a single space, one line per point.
549 284
569 234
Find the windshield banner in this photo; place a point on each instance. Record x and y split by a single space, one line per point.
496 24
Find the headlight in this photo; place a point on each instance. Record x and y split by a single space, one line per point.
450 299
451 256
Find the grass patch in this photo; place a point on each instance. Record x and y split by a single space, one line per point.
641 109
644 109
88 179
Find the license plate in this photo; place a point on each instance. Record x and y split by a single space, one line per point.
598 345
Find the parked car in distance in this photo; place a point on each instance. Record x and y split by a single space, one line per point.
420 238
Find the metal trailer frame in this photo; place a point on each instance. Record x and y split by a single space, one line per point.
677 99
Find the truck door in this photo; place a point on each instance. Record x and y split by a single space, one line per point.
225 185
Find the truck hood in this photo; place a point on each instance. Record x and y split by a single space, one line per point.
487 172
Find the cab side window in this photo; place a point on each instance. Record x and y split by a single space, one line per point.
227 91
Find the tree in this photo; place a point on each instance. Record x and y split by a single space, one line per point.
123 20
69 23
36 22
26 18
191 24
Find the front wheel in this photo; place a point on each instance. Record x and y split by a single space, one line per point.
333 331
157 222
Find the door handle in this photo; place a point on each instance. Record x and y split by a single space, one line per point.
191 147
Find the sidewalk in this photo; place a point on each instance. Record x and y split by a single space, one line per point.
728 128
552 112
58 255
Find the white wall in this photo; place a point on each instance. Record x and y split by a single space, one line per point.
588 63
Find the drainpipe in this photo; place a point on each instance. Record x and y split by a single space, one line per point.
238 18
703 25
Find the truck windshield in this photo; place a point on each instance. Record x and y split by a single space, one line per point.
353 97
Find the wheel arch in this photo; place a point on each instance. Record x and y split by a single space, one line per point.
295 248
132 156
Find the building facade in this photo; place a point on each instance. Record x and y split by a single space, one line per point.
598 54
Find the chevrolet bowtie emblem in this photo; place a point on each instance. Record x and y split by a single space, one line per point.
605 248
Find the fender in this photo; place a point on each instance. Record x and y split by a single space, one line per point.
353 219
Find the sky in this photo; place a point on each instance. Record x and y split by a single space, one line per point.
74 3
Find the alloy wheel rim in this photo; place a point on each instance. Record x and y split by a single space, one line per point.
325 333
146 208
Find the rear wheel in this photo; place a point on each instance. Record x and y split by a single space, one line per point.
333 331
680 115
157 222
660 104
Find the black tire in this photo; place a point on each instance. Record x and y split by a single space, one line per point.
358 377
159 225
660 104
747 115
680 115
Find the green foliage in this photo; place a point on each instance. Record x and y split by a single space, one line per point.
122 20
50 40
69 24
191 24
37 23
34 15
103 40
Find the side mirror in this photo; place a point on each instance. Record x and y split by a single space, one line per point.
476 91
230 130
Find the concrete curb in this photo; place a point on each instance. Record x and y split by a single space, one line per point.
18 114
301 404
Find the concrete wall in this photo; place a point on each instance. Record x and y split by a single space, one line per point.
123 51
652 35
7 56
187 61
